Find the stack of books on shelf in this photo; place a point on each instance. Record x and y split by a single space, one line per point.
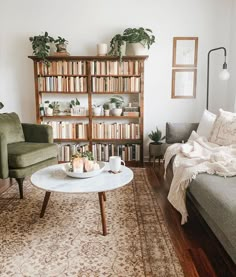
65 151
68 130
131 111
62 68
129 152
115 68
62 83
113 84
115 131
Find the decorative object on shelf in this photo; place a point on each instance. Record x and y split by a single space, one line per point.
97 110
61 45
106 108
41 46
131 110
118 101
224 74
155 149
138 40
118 46
101 49
1 105
49 110
56 107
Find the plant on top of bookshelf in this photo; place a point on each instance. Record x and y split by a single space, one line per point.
118 46
1 105
41 47
135 35
156 136
61 44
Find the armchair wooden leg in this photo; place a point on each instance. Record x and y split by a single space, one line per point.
20 184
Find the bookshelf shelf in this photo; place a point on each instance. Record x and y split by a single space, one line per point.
90 76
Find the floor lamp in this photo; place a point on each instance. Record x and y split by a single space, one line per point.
224 74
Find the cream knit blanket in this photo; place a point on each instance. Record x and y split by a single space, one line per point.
196 156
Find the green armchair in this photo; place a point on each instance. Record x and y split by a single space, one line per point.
24 148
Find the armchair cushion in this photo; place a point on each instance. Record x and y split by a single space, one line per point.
37 133
11 127
23 154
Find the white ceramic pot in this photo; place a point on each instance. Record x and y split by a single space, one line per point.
106 112
101 49
117 112
49 111
97 111
136 49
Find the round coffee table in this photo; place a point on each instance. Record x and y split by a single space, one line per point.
54 179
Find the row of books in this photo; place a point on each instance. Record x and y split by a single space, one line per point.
113 84
128 152
65 151
115 68
115 131
62 68
59 83
68 130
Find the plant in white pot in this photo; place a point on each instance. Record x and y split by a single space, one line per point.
74 107
106 108
138 40
97 110
117 101
155 149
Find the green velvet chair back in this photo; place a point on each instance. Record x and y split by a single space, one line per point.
11 127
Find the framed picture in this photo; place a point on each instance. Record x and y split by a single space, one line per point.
185 51
184 83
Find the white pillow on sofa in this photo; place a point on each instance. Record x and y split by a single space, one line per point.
224 129
206 124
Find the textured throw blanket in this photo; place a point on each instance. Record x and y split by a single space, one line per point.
196 156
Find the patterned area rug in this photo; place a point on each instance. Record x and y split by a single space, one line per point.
68 240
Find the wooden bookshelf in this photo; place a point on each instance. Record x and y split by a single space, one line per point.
91 69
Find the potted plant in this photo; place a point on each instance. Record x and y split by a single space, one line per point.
49 110
75 106
97 109
118 46
1 105
139 40
61 44
155 149
41 46
106 108
116 104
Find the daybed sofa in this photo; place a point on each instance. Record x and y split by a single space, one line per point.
212 195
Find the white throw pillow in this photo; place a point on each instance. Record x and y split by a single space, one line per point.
206 124
224 129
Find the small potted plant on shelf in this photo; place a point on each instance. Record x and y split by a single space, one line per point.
41 46
106 108
116 102
155 149
75 107
97 110
139 40
118 46
49 110
61 45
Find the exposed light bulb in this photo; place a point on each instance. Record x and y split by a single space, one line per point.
224 75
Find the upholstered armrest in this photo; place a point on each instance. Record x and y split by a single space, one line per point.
4 171
37 133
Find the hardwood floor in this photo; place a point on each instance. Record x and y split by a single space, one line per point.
198 250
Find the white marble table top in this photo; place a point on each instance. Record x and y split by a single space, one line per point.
54 179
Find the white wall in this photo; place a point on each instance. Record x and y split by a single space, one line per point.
85 23
232 61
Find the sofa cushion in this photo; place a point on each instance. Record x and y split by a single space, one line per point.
23 154
179 132
11 127
216 196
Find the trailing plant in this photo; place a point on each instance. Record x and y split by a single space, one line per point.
156 136
144 36
1 105
116 42
41 47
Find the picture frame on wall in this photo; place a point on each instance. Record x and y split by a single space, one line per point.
185 51
184 83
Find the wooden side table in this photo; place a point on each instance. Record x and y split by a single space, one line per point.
155 152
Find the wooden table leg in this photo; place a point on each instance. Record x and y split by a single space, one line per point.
101 196
45 203
104 196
